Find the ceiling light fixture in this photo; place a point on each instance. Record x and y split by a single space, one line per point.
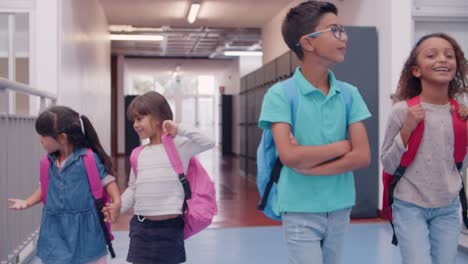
193 12
242 53
136 37
130 28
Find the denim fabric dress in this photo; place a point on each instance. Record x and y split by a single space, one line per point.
70 229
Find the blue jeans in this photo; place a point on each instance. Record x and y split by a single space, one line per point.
315 237
427 235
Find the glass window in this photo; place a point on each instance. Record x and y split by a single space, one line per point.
4 45
205 116
188 111
142 84
182 92
188 84
206 84
171 102
205 111
21 50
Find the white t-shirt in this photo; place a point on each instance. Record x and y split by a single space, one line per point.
157 189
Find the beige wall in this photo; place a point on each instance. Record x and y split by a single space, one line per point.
84 63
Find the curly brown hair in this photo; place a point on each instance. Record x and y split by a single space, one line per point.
410 86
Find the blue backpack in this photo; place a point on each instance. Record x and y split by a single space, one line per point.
268 164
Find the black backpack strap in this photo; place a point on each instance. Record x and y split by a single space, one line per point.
274 178
462 196
400 171
187 192
99 203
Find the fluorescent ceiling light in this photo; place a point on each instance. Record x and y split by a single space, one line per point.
242 53
130 28
136 37
193 12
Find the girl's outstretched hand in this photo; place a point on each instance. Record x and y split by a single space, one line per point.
169 127
18 204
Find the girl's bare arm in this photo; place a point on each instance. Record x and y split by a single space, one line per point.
20 204
113 207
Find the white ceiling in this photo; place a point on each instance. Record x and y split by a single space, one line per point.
213 13
221 25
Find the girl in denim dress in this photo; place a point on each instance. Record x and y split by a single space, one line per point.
70 227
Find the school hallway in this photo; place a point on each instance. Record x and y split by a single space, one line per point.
213 61
241 234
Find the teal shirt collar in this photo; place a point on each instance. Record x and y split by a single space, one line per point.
305 87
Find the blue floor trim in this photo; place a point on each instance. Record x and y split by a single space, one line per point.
365 244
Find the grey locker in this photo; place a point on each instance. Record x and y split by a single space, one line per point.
295 62
283 66
270 73
259 77
361 69
250 81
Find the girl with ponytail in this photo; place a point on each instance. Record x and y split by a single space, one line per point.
71 228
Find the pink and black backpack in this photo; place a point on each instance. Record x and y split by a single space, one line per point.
99 193
200 198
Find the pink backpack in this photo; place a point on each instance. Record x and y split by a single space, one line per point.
99 193
200 198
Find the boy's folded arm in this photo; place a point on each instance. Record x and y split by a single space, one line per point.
297 156
358 157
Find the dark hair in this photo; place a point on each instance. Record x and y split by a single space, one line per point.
410 86
61 119
150 103
302 20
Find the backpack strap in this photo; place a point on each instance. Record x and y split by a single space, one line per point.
459 152
415 138
93 175
177 165
98 193
407 158
290 90
44 177
134 158
459 130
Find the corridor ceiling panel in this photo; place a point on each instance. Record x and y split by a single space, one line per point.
221 25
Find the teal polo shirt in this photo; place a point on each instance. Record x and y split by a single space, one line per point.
319 120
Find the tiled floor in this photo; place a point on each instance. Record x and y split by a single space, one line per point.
241 234
365 244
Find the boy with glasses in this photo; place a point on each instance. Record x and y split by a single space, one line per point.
316 185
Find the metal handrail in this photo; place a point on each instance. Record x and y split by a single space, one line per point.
6 84
23 88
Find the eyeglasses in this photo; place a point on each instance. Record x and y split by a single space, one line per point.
338 32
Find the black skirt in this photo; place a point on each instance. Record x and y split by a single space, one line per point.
156 242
